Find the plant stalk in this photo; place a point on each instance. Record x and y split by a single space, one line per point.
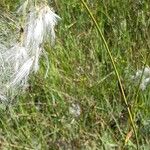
116 71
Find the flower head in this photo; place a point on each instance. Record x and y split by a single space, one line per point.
19 60
145 74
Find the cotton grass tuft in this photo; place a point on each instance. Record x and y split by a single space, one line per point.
145 74
19 60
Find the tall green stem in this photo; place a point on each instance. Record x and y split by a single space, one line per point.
115 69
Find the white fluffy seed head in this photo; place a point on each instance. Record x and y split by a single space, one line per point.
40 25
145 74
22 58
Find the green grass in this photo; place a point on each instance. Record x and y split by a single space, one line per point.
82 73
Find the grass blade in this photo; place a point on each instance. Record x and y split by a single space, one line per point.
115 69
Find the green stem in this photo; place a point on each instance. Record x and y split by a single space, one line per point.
134 105
115 69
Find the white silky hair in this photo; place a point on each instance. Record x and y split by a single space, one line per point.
21 59
145 74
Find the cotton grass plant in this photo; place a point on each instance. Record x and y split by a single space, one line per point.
79 105
20 58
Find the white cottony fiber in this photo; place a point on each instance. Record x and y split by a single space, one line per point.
21 59
145 74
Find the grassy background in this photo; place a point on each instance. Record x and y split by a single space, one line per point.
81 74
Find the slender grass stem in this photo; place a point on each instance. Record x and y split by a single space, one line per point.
134 105
115 69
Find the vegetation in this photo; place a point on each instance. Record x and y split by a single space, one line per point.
81 104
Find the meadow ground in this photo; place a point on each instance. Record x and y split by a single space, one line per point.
81 104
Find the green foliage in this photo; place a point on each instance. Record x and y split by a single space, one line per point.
81 72
9 4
